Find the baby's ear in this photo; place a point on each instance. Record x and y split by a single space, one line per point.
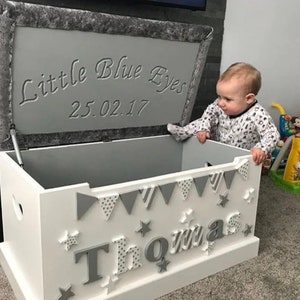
250 98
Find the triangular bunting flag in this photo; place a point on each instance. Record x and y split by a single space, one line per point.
200 183
228 176
215 179
185 186
84 202
243 169
107 204
148 195
167 191
128 200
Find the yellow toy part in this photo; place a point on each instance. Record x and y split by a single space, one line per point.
292 168
279 107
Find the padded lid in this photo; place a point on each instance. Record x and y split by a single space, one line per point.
70 76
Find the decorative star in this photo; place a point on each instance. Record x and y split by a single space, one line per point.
249 195
69 240
247 230
66 294
187 217
223 199
163 265
209 247
110 284
144 228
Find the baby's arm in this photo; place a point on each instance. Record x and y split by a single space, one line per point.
200 127
269 136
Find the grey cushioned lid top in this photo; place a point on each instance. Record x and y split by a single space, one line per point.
70 76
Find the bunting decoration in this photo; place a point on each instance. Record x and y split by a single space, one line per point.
200 183
167 191
128 200
243 169
185 186
107 203
228 177
215 179
84 203
148 194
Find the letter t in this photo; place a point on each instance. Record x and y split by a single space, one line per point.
92 260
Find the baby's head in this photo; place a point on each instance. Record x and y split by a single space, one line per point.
237 88
249 77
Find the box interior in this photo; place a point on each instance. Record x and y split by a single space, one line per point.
108 163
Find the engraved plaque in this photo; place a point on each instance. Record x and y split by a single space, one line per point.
73 81
73 76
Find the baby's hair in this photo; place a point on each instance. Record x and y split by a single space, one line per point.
246 72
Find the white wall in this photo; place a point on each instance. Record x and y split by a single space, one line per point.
266 33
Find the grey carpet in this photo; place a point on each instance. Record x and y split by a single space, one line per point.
273 275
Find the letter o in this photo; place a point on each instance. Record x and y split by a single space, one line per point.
150 249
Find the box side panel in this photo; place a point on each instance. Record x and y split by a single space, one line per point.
21 224
102 164
114 242
197 155
60 232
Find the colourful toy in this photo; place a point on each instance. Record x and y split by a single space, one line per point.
288 125
287 177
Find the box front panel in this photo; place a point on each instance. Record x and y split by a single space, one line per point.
116 241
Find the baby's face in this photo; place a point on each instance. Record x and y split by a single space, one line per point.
232 98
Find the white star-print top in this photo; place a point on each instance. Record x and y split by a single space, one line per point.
253 128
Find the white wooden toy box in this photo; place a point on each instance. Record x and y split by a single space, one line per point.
130 213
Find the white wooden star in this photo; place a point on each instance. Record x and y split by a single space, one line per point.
69 240
187 217
249 195
110 284
208 247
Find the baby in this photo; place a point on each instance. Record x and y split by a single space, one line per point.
235 117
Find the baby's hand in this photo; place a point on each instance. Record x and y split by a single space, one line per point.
258 155
202 136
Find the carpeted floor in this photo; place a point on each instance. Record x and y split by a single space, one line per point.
273 275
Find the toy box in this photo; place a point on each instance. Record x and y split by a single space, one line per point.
98 201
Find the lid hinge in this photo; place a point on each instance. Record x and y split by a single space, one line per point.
13 135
